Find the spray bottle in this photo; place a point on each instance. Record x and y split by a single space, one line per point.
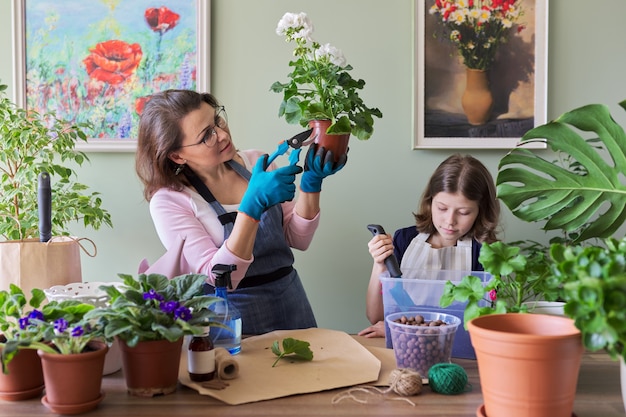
230 337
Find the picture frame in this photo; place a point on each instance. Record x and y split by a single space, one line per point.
98 62
517 82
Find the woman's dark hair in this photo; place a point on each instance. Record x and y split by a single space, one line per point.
160 134
468 176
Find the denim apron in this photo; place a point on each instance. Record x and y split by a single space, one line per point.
270 296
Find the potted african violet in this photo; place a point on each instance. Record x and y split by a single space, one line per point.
70 349
22 377
149 315
72 353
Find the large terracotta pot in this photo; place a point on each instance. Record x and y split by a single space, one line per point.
477 99
527 363
151 367
25 377
74 381
336 143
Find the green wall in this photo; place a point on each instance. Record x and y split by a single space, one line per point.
384 176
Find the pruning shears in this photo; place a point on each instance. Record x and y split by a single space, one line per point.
301 139
296 142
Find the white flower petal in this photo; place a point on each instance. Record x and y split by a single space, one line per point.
334 55
298 22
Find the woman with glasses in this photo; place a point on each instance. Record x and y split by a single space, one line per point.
213 204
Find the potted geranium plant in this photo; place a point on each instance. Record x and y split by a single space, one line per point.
152 313
321 91
520 273
529 345
31 144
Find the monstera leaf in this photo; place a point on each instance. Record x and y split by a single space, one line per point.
584 194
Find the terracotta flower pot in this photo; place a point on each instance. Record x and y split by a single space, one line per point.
527 363
338 144
25 377
151 367
73 382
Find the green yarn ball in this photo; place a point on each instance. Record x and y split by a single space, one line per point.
447 378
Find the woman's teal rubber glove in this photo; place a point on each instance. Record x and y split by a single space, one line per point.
318 165
267 188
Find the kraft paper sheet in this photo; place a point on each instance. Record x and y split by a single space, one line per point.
338 361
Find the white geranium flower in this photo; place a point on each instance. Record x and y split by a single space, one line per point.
320 86
286 22
304 33
334 55
295 26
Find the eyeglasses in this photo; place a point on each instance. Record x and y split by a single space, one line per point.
210 135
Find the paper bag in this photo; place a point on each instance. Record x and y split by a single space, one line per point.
30 263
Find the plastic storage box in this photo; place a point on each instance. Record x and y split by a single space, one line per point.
421 290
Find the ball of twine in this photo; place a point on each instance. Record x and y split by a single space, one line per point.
405 382
447 378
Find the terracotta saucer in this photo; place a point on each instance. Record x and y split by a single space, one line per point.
72 408
22 395
480 412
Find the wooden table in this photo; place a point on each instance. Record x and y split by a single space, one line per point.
598 395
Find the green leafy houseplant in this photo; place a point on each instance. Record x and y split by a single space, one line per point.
595 289
153 307
31 143
320 85
582 195
520 273
56 327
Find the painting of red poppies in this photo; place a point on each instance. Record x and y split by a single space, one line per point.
98 61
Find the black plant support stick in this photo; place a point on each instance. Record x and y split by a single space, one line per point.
44 199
